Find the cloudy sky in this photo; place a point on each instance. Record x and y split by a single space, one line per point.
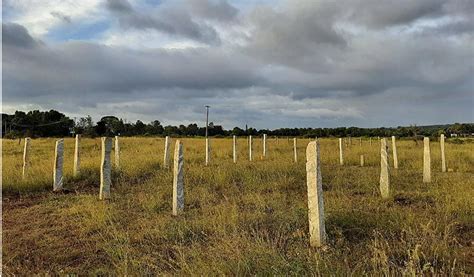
268 64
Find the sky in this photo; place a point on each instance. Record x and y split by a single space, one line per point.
267 64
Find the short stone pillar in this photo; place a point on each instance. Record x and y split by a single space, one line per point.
105 168
295 152
166 155
178 178
250 148
370 141
360 141
77 156
58 165
208 152
317 230
443 157
26 157
117 152
384 170
264 145
362 161
426 161
341 157
234 149
394 153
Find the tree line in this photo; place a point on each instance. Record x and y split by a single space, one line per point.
55 124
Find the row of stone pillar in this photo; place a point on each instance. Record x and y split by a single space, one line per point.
317 230
250 147
426 155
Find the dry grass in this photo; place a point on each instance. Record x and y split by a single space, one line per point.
244 219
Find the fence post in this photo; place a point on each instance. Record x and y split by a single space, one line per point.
58 165
105 168
77 156
443 157
166 155
384 170
178 179
317 230
426 160
26 157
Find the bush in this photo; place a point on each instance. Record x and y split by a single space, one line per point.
456 141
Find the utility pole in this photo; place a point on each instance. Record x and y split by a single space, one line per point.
207 118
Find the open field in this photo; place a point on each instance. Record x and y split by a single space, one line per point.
245 218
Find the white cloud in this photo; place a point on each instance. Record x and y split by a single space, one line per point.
38 16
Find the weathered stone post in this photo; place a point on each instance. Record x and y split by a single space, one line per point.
341 157
26 157
317 230
394 151
58 165
362 162
384 170
105 168
208 152
166 156
443 158
234 148
250 148
117 152
360 141
77 156
295 152
264 142
426 161
178 179
370 141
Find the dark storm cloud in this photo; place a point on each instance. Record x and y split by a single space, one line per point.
383 13
15 35
88 69
61 16
219 10
316 63
120 6
170 20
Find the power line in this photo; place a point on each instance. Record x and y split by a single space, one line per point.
38 125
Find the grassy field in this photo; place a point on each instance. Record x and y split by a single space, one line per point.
243 219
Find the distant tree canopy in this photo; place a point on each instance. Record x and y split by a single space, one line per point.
55 124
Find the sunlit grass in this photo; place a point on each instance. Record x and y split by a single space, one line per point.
239 219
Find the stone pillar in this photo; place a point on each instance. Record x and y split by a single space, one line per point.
443 157
250 148
384 170
166 156
178 178
208 152
117 152
26 157
370 141
341 157
295 152
317 230
234 148
77 156
360 141
394 152
58 165
105 168
264 142
362 162
426 161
